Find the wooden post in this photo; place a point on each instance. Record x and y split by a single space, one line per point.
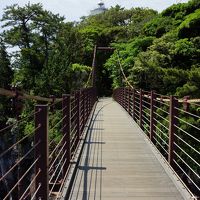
66 130
152 116
141 108
172 127
42 152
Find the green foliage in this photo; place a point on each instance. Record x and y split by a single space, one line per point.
32 30
158 26
55 127
5 69
181 10
127 54
190 27
156 51
6 74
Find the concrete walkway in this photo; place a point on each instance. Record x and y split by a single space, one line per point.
117 163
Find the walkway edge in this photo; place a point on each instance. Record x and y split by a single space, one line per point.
73 169
182 188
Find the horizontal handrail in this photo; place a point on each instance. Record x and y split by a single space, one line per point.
22 95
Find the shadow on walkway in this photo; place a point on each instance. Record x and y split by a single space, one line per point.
89 173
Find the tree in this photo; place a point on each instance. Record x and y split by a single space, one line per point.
32 30
190 27
6 75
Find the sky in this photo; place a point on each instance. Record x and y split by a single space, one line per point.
74 9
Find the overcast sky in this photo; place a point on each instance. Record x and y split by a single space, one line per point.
74 9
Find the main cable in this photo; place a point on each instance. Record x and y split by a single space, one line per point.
121 68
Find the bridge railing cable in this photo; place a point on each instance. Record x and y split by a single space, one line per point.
36 164
172 125
17 160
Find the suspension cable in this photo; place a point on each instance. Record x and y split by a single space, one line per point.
121 68
89 78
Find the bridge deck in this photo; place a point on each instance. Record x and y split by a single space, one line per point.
117 163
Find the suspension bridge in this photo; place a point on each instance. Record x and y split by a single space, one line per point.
136 145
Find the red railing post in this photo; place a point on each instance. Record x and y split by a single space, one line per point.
121 96
124 98
77 97
141 108
129 91
83 109
133 114
66 130
41 152
90 100
117 95
172 127
152 116
87 105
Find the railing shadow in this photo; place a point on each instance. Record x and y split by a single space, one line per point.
91 164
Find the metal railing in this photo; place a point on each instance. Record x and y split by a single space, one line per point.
172 125
36 164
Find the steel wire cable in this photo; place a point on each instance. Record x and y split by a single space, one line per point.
36 191
19 161
21 178
31 183
121 68
18 142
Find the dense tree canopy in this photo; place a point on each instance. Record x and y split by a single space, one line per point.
171 57
5 80
157 50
